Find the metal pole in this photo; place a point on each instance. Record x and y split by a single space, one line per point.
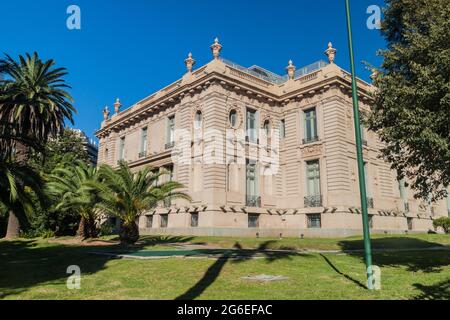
359 154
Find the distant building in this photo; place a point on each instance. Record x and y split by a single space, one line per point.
262 154
89 145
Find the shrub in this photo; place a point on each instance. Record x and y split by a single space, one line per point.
106 229
31 234
443 222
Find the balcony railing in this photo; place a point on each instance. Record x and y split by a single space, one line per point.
310 140
370 203
253 201
142 154
313 201
170 145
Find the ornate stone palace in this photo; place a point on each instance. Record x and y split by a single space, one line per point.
261 154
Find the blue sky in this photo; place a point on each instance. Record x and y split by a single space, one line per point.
129 49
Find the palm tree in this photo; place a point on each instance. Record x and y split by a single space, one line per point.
34 103
75 187
127 195
16 183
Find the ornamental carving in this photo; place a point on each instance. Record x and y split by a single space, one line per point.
313 150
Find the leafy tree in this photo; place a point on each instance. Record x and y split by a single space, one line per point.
443 222
74 186
33 101
66 148
411 113
127 195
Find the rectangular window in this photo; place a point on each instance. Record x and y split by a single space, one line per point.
314 220
251 126
310 119
169 175
122 148
149 222
252 190
143 147
253 220
282 129
313 193
170 137
194 220
370 221
164 220
410 223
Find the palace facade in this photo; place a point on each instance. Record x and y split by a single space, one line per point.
261 154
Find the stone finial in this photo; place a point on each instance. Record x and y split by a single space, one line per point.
117 106
330 52
216 47
290 69
189 62
106 113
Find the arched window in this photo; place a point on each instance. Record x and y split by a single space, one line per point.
266 127
198 120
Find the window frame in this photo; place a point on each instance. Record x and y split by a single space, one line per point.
253 220
312 219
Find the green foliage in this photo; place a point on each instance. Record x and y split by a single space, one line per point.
32 234
74 187
106 229
34 106
33 96
66 148
411 113
21 187
127 195
443 222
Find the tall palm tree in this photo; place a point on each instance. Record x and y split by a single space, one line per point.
75 187
16 182
127 195
33 101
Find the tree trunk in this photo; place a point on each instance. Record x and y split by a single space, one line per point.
92 228
129 233
81 232
22 154
13 226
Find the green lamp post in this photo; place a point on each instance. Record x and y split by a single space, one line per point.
359 154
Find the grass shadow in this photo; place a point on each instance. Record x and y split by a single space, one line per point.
410 258
235 256
438 291
358 283
25 263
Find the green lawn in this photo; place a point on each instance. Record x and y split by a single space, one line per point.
36 269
